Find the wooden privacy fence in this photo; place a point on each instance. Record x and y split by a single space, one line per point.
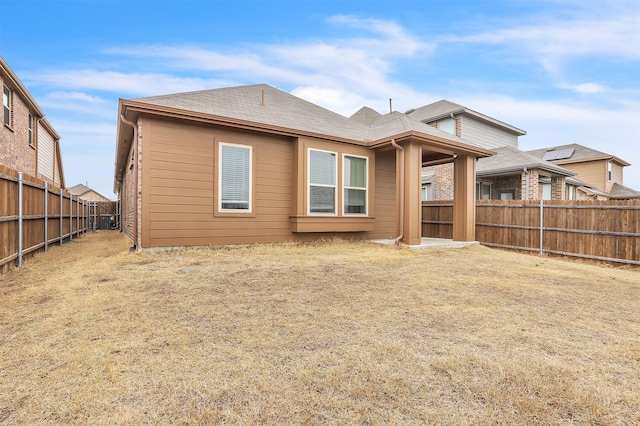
601 230
34 215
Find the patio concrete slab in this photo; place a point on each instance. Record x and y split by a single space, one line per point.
432 243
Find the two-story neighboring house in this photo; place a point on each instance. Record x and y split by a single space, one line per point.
510 174
599 175
28 142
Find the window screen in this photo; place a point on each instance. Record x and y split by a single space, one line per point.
355 185
322 181
235 177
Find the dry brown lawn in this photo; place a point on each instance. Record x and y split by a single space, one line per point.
325 333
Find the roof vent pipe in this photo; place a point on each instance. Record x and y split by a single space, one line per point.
262 101
390 106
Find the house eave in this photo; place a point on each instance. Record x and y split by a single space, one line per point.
601 158
14 83
437 142
516 170
486 118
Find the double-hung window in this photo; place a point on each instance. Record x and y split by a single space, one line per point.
6 105
234 179
355 185
322 182
30 130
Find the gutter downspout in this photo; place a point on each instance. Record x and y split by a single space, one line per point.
526 172
135 216
400 175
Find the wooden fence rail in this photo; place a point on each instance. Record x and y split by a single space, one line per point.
34 215
601 230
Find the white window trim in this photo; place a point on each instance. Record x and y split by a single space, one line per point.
9 106
30 123
365 189
609 171
250 148
479 187
335 192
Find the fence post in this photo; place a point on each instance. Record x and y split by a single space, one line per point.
46 215
541 225
20 189
95 215
70 217
61 217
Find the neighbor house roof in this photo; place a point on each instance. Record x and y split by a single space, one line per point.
509 160
80 189
575 153
621 192
445 108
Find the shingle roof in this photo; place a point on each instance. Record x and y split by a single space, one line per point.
621 192
445 108
365 115
78 189
265 104
512 160
580 153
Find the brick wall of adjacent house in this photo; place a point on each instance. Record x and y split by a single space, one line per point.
534 185
558 188
501 184
128 194
15 151
442 181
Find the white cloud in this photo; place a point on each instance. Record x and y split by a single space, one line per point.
584 89
76 97
611 37
117 82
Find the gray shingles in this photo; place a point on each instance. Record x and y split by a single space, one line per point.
509 159
264 104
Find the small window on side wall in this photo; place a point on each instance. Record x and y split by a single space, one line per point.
30 137
483 191
355 185
234 178
6 105
609 171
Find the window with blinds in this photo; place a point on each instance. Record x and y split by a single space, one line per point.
355 185
322 181
234 177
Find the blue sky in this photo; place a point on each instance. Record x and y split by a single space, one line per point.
564 71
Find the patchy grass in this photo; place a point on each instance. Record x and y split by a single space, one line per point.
326 333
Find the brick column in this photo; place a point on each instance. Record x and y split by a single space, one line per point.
558 188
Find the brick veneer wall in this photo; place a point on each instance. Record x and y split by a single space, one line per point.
558 188
442 181
15 151
534 185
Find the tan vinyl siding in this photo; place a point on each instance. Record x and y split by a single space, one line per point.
485 135
593 173
57 179
385 197
179 178
46 148
617 175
